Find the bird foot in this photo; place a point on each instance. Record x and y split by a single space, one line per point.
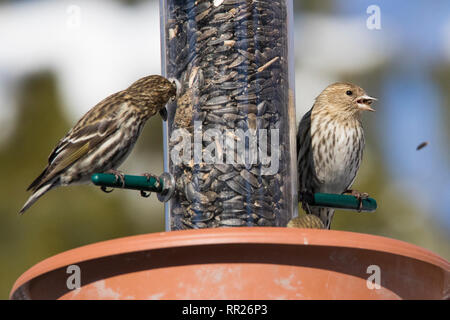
145 194
105 190
149 175
120 176
358 195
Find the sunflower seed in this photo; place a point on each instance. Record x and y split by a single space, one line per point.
227 176
232 222
250 178
217 100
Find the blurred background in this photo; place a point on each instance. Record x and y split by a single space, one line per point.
59 58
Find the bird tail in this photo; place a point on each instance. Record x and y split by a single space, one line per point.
38 180
325 214
36 195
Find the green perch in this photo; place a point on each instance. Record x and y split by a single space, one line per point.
162 185
341 201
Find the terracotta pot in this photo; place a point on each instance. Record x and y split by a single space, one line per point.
242 263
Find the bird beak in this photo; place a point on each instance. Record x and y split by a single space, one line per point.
364 103
177 84
163 113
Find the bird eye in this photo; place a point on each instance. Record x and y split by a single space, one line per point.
349 92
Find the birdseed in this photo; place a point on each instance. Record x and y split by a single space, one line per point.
231 58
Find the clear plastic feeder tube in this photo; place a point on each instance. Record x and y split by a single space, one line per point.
230 136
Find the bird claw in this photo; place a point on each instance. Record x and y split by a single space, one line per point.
105 190
145 194
360 196
149 175
119 176
163 113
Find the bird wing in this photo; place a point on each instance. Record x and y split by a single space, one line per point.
90 131
307 177
303 135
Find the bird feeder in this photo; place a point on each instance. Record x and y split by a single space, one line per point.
230 154
230 136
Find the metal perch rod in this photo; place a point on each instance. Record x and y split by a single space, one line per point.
341 201
162 185
165 185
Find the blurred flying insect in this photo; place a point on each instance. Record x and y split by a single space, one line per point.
422 145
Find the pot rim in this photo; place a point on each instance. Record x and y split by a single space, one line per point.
241 235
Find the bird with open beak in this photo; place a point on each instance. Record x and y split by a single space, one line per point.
330 143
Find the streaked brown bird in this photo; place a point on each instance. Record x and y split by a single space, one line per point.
330 143
102 139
